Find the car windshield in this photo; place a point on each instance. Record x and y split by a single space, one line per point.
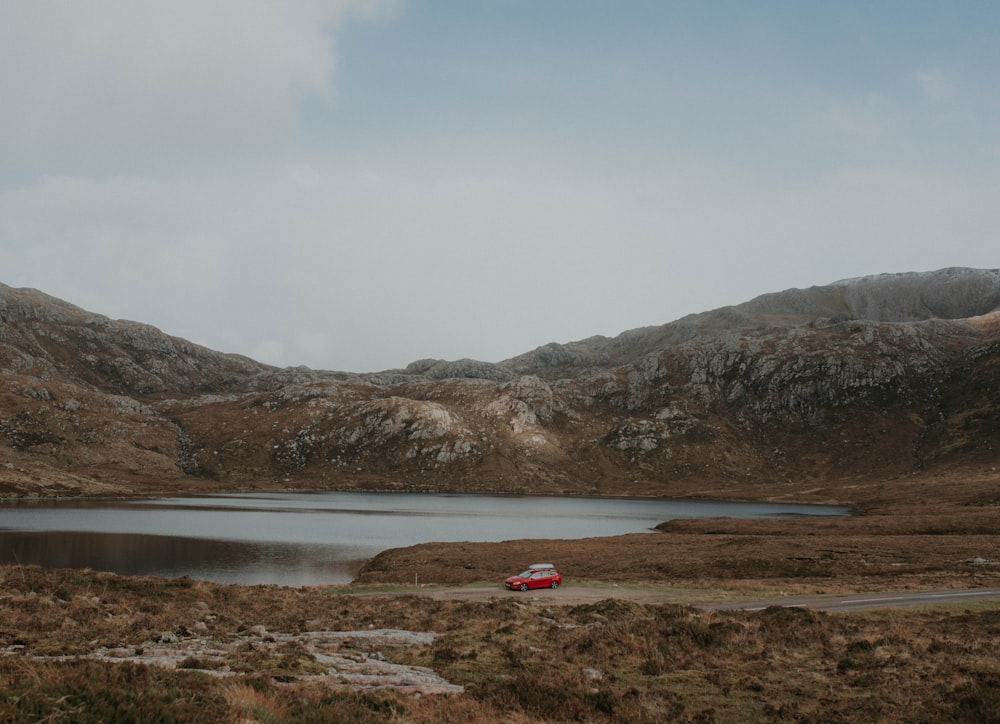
525 574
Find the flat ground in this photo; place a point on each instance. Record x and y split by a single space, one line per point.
873 552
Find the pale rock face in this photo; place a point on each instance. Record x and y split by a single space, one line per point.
427 420
523 403
514 412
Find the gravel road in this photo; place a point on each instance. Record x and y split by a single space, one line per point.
576 595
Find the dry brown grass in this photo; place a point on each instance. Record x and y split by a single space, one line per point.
520 659
250 704
955 549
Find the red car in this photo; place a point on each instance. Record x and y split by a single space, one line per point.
538 575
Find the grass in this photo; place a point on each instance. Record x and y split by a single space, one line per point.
518 658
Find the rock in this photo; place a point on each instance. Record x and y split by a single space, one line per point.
464 368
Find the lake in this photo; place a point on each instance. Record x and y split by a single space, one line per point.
297 539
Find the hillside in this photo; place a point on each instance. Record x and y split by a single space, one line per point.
815 394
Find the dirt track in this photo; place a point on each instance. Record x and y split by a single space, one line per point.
576 595
565 596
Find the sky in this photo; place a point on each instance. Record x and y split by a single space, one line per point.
354 185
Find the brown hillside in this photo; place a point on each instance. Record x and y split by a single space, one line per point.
823 394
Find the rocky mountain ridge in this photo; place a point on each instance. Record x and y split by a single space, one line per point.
860 381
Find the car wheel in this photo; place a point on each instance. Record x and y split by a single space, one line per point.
555 584
524 586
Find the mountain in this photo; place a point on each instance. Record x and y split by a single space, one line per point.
954 293
820 393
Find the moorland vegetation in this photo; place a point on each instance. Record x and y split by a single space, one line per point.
879 393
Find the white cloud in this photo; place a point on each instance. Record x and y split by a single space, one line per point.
119 84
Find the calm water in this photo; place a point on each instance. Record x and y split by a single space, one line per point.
315 538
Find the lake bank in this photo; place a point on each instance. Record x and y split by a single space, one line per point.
316 538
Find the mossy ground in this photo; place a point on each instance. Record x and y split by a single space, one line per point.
518 658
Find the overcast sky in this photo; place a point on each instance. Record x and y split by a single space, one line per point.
355 185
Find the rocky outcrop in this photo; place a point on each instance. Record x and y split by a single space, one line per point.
880 376
955 293
42 336
437 369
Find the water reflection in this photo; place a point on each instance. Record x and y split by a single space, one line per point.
222 561
316 538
